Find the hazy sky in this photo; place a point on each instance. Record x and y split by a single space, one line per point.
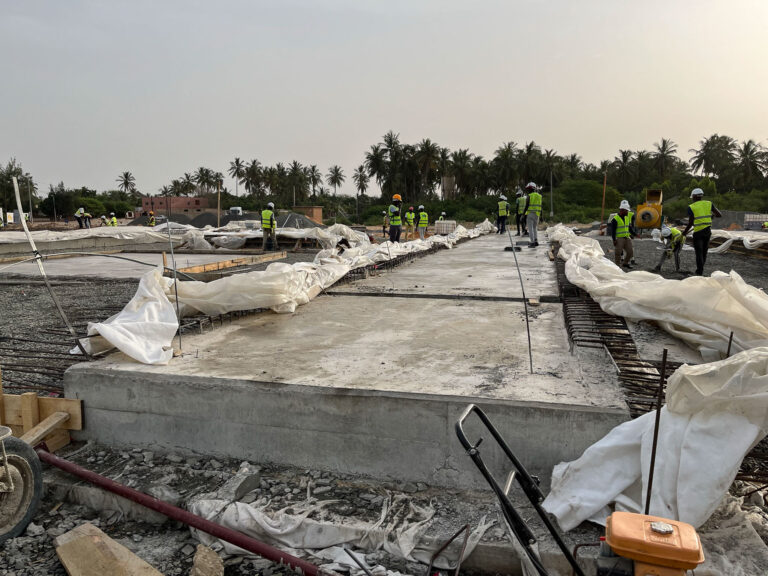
93 88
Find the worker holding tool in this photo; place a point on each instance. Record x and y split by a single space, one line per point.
268 227
520 200
501 215
442 216
112 220
410 219
423 222
383 223
622 227
532 212
700 214
395 219
673 241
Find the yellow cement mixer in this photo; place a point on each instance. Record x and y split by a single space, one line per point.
648 214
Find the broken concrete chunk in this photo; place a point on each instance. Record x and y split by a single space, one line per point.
207 563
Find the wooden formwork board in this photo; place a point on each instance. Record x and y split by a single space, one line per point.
235 262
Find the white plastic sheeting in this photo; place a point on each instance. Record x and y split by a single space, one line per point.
750 239
133 234
702 311
144 329
715 414
402 529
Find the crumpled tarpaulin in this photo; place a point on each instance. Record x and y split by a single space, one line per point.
145 328
749 238
701 311
715 414
403 528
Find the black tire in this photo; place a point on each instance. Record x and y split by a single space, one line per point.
17 509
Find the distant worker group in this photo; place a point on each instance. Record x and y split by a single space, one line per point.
527 213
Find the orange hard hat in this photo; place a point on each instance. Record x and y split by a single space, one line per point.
151 213
397 197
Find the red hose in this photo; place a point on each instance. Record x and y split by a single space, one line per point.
228 535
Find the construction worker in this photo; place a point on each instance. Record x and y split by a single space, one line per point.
532 213
112 220
501 216
622 228
268 226
700 214
410 219
423 222
765 226
395 219
151 220
520 200
673 244
87 219
383 223
104 220
442 216
79 216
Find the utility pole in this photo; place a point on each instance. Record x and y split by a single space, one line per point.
53 199
551 209
218 206
29 193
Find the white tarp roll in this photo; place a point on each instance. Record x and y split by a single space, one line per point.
701 311
715 414
145 328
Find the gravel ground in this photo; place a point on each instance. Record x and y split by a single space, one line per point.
647 254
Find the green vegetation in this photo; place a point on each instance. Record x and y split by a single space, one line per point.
464 185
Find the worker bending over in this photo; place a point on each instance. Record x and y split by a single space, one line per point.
410 219
700 214
622 228
423 222
533 212
268 227
520 201
395 218
673 244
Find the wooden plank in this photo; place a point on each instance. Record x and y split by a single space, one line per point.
46 407
30 413
34 436
224 264
57 439
87 551
2 407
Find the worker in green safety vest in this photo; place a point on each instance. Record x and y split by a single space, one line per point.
520 200
673 244
501 215
700 214
765 225
268 227
395 218
622 227
410 222
533 213
423 222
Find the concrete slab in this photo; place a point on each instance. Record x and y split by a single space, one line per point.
480 267
103 267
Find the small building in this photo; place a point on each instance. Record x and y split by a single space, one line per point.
314 213
173 204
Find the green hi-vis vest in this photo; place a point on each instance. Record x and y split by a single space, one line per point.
676 236
409 218
394 216
423 219
503 207
622 225
151 221
266 219
384 221
441 218
534 203
112 221
702 214
520 203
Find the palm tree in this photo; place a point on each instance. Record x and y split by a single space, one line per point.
427 156
751 161
376 164
252 178
297 178
315 177
335 177
664 156
642 166
126 182
360 178
573 165
624 167
715 155
461 168
204 179
505 164
237 171
529 158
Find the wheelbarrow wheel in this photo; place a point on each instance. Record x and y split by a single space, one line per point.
18 507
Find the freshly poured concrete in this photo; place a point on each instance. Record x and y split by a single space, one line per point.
103 267
479 267
369 385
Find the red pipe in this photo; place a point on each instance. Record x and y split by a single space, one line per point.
228 535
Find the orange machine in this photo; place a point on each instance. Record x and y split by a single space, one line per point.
654 546
649 214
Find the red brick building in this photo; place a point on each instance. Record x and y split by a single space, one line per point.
159 204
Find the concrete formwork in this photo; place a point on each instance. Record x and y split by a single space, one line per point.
370 385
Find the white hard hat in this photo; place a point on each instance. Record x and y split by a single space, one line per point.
531 185
270 205
697 192
111 213
81 209
384 212
442 213
421 206
624 205
666 232
519 192
503 197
